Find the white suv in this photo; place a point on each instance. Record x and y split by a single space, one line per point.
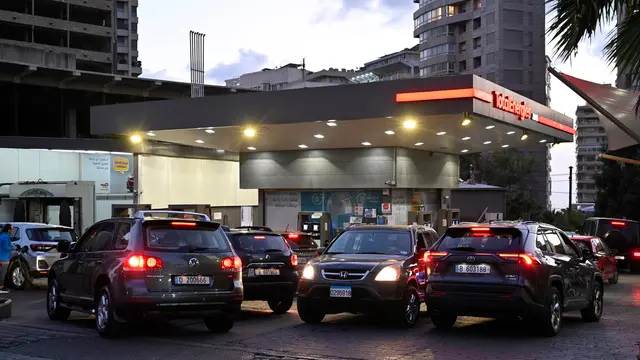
37 243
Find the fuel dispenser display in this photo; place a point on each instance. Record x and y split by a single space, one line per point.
318 224
421 218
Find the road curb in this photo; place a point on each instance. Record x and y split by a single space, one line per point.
5 308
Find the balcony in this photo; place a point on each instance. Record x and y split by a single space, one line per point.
44 22
9 49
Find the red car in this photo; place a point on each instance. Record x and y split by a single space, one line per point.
606 261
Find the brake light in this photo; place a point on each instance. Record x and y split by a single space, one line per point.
522 258
259 237
293 236
480 229
636 254
142 263
231 263
294 260
618 223
430 256
182 223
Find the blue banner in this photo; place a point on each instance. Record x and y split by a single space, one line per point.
341 204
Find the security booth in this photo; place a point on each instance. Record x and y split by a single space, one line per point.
375 141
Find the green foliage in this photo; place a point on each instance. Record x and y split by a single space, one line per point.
568 221
618 186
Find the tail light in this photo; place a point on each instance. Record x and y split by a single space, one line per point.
480 229
260 237
182 223
431 256
142 263
618 223
40 247
293 236
521 258
233 264
294 260
636 254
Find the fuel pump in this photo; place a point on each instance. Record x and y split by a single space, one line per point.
421 218
446 218
318 224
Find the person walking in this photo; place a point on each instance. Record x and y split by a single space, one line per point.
5 253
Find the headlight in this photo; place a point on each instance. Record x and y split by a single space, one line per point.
308 272
389 273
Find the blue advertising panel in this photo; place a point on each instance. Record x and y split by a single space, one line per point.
342 205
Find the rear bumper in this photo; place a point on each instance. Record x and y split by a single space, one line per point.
365 298
461 303
178 305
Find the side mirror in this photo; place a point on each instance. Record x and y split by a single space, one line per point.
587 254
63 247
320 251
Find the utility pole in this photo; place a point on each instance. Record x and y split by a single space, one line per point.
570 187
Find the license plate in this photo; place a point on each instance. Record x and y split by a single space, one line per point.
267 272
340 291
472 269
192 280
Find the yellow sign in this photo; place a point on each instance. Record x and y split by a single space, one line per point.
120 164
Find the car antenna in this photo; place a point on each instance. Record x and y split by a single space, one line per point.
287 229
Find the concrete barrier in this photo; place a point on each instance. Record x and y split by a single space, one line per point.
5 308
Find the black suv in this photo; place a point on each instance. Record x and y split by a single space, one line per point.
368 269
174 264
621 235
270 267
522 269
303 244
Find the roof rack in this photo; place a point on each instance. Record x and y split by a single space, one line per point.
252 227
168 214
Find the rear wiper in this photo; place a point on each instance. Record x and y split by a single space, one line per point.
464 248
196 249
273 250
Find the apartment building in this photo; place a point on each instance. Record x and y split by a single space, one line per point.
403 64
289 76
502 41
590 139
87 35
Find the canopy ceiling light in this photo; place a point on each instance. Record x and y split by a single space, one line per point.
524 136
249 132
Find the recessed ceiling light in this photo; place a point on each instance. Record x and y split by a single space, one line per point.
210 131
543 140
389 132
511 132
389 117
505 145
249 132
418 143
135 139
409 124
524 136
465 122
464 151
366 143
487 142
441 133
220 151
331 121
200 141
490 127
332 124
302 146
151 133
466 138
251 148
318 136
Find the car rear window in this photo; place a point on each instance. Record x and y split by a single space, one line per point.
372 242
583 244
480 239
301 239
258 243
628 230
52 234
191 238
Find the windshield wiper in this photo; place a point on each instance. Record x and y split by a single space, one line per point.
373 253
464 248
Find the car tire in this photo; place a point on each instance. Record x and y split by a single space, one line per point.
219 324
443 321
55 310
106 323
593 312
550 323
281 306
309 314
614 279
408 313
18 276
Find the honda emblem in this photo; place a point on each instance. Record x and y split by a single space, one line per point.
344 274
471 258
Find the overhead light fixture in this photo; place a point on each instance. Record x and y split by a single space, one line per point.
318 136
543 140
200 141
464 151
389 132
490 127
302 146
409 124
220 151
441 133
511 132
366 143
135 139
418 144
524 136
249 132
210 131
466 138
251 148
505 146
331 121
151 133
332 124
389 117
466 120
487 142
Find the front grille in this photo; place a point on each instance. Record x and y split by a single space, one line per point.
336 274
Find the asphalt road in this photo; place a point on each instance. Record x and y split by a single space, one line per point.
259 335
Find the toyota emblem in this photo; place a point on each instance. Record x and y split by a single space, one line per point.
471 258
344 274
193 262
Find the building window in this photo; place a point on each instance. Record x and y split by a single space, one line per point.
477 62
134 11
122 41
436 32
477 23
435 14
438 69
134 27
477 4
477 42
437 50
462 65
123 24
134 45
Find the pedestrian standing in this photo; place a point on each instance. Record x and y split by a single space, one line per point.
6 248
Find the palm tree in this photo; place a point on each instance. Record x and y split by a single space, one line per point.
576 20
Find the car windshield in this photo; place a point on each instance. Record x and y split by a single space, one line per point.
479 239
51 234
372 242
258 243
173 239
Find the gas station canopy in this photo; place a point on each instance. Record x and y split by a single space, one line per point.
453 114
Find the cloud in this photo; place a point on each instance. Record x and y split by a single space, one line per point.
248 61
159 75
394 10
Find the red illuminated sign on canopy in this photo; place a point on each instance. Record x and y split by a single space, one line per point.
508 104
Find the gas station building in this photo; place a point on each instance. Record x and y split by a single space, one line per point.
375 152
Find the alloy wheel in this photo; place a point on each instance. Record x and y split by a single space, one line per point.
597 301
556 312
413 308
17 276
102 313
52 299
